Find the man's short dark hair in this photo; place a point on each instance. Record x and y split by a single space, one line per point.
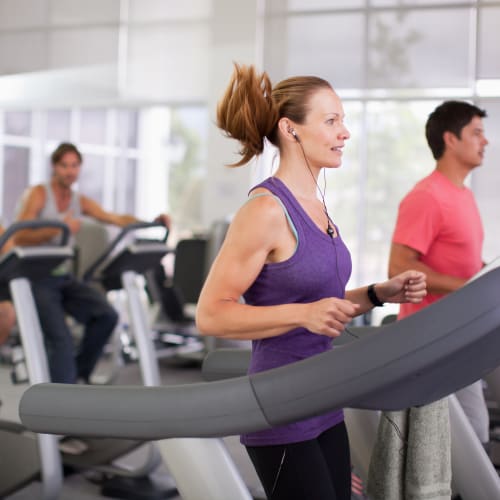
62 149
451 116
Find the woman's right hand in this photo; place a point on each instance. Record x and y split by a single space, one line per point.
330 316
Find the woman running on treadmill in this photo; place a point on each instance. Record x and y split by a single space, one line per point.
285 256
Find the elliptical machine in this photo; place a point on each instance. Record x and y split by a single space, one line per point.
17 268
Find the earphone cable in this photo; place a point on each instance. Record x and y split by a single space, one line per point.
330 229
330 226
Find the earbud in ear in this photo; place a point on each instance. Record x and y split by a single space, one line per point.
292 131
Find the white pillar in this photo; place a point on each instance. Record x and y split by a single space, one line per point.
152 181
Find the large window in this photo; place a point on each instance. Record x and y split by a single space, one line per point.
136 160
392 62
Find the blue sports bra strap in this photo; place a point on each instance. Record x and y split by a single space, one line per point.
287 215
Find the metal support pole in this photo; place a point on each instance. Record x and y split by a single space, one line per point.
38 372
216 475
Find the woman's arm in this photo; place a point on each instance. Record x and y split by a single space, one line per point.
258 234
403 257
409 286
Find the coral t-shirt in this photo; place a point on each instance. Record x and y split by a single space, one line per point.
441 221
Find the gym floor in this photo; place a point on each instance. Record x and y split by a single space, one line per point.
76 486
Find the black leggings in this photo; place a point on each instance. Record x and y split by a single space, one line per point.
318 469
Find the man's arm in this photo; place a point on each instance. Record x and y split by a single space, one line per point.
8 244
403 258
32 205
93 209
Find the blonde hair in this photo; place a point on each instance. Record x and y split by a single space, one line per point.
251 108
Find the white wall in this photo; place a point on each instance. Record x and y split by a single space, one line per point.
98 52
234 39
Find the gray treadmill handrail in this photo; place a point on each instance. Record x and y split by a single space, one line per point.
486 269
412 362
37 260
35 224
32 262
40 251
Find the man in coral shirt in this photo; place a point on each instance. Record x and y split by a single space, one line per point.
439 229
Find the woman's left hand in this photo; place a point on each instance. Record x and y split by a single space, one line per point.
409 286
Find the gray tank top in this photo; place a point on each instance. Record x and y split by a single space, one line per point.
50 212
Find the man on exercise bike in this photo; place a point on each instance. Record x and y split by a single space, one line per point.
62 293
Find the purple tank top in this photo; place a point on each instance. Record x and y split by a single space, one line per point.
319 268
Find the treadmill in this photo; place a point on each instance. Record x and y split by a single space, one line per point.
412 362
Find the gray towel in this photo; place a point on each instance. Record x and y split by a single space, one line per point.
411 457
